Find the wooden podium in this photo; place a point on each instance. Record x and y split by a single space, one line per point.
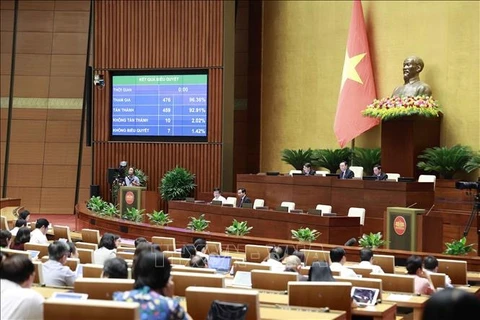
138 197
404 139
411 230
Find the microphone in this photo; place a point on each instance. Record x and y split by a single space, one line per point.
433 205
350 242
412 205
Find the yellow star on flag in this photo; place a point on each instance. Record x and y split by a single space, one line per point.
349 65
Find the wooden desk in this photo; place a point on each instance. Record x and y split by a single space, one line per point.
47 292
307 192
417 303
9 202
266 223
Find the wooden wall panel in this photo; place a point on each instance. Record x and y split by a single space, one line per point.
158 35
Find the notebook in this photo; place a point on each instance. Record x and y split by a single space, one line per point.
220 263
242 279
70 295
365 296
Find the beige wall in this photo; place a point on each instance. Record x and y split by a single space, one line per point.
48 91
304 48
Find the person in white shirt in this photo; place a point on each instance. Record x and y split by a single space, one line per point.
338 258
430 265
18 224
217 195
18 301
106 249
55 273
366 259
274 259
39 234
131 180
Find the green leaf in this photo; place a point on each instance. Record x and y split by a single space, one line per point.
238 228
305 234
159 218
366 158
198 224
372 240
177 184
445 161
459 247
331 158
297 158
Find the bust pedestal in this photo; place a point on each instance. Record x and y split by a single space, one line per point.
404 139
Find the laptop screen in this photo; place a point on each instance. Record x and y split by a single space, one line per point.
220 263
70 295
365 296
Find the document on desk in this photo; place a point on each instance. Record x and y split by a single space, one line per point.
399 297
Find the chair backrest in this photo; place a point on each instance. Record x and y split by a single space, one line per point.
61 232
174 254
179 261
269 280
232 201
165 243
292 172
254 253
86 245
438 280
194 270
183 280
455 269
249 266
214 247
322 173
393 176
85 255
319 294
396 282
4 223
91 236
364 272
72 263
125 255
102 288
10 252
38 272
290 205
92 270
427 178
357 212
363 282
71 309
199 300
258 203
384 261
42 247
305 270
315 255
357 171
325 208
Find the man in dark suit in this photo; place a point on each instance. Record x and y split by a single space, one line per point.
378 174
307 169
242 197
345 173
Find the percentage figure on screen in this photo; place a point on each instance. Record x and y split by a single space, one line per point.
197 110
197 99
198 131
198 120
167 99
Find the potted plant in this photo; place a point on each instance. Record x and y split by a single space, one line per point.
159 218
134 214
297 158
372 240
198 224
459 247
330 158
305 234
110 210
177 184
238 228
444 161
142 177
366 158
473 163
96 204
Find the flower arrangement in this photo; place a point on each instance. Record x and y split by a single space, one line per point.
396 107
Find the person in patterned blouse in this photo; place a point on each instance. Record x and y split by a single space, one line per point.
153 289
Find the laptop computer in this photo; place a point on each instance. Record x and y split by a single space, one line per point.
227 205
272 173
365 296
242 279
371 178
406 179
220 263
329 214
217 202
247 205
70 295
315 211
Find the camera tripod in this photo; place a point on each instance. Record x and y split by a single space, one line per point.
475 213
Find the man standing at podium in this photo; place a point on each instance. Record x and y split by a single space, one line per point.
131 180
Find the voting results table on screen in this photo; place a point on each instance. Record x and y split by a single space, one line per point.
159 105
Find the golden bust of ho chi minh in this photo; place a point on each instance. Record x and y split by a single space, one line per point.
412 66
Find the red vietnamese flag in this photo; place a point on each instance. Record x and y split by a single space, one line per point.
358 87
